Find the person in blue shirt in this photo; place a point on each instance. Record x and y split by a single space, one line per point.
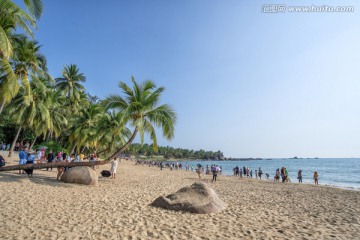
30 160
22 156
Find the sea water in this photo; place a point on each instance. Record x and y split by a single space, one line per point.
338 172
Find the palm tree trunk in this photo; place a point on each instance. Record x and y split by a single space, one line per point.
72 164
102 151
82 149
2 106
14 142
49 165
33 142
123 148
72 151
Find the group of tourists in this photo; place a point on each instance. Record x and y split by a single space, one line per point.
283 173
246 171
214 169
5 147
285 176
29 157
20 145
237 171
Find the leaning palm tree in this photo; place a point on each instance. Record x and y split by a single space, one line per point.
140 110
70 84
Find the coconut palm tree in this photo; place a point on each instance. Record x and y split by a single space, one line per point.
56 121
29 107
9 86
140 110
28 59
111 131
17 17
12 16
70 84
84 130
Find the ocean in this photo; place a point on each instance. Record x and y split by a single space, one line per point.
337 172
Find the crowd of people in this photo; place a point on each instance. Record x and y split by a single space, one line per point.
27 157
5 147
237 171
40 156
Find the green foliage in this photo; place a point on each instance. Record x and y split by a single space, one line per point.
170 152
51 145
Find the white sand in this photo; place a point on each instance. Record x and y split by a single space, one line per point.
44 208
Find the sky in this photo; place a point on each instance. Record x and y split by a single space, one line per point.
248 83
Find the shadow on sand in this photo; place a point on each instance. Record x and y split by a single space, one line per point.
37 178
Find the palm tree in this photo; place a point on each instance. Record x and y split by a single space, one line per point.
53 101
111 131
18 17
29 107
140 110
12 16
57 113
84 129
28 59
70 84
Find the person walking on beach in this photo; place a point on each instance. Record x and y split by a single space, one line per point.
256 174
260 173
300 176
114 165
277 175
214 170
287 178
316 178
198 170
207 170
283 177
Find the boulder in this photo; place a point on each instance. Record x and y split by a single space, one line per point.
198 198
80 175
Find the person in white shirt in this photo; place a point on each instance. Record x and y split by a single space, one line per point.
114 165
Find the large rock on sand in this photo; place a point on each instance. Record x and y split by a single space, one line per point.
198 198
80 175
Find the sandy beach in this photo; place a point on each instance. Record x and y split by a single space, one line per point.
44 208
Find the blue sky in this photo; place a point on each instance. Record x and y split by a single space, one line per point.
248 83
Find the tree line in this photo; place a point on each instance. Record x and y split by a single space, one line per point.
170 152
